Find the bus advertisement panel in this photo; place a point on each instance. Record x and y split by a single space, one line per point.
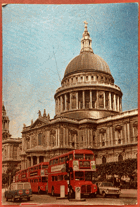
73 169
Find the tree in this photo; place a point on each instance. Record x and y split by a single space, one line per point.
11 171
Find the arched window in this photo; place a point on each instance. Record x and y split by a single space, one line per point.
103 160
120 157
40 139
119 141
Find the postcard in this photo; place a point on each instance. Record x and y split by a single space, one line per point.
70 109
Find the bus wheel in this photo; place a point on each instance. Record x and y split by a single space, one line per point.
52 191
39 190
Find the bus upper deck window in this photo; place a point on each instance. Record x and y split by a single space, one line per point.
71 157
62 159
56 161
52 178
79 156
88 157
39 166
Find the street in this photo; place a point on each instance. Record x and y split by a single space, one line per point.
99 200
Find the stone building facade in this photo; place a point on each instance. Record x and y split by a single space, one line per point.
88 108
11 147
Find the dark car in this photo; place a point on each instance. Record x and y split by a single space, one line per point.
19 191
107 188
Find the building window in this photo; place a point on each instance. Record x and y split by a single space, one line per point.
103 143
91 77
15 152
40 139
120 158
87 78
119 141
103 160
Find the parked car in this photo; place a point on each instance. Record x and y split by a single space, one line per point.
107 188
19 191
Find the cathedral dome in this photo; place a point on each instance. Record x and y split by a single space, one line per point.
87 62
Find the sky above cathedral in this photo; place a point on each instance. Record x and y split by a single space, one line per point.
40 40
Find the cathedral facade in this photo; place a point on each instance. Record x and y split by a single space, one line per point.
88 115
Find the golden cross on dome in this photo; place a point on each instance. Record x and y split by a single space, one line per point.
85 22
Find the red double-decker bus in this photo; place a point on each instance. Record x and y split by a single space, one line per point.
81 165
37 175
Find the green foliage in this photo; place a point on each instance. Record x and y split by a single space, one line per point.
4 178
10 170
120 168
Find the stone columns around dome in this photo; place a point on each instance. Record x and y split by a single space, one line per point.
104 99
118 104
70 101
76 100
110 101
88 99
90 105
83 99
66 108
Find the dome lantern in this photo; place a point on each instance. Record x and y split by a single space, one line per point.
86 41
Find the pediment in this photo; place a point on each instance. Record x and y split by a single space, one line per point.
38 123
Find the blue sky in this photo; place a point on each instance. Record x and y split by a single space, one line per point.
40 40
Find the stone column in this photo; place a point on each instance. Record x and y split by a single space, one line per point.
100 140
104 99
76 100
91 99
107 137
8 150
83 99
66 108
56 137
118 104
128 132
63 137
70 100
110 108
27 163
31 160
61 105
96 102
111 135
125 134
114 102
37 159
58 132
58 108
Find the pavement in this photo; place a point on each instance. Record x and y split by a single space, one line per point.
128 193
